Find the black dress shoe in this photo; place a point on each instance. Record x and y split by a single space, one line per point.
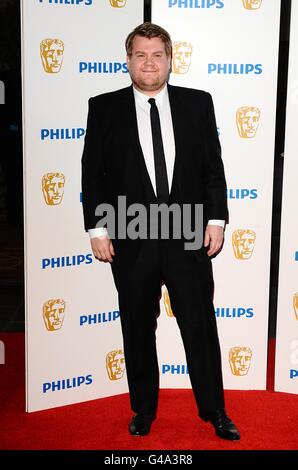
140 425
224 426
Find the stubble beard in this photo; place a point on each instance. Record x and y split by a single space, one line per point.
143 85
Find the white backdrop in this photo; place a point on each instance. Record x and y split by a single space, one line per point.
286 365
66 362
230 48
74 344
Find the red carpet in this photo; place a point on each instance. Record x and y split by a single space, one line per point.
266 420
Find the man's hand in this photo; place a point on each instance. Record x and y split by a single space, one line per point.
214 236
103 249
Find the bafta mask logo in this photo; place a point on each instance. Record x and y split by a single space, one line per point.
167 303
53 188
51 53
240 360
181 57
118 3
243 242
252 4
115 364
295 303
53 314
248 118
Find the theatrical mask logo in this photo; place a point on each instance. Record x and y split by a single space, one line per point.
295 304
118 3
240 360
167 303
53 188
243 242
51 53
115 364
53 314
248 118
181 57
252 4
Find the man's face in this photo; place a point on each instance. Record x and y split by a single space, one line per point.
53 190
240 362
148 65
252 4
54 316
118 3
52 57
243 244
181 59
117 366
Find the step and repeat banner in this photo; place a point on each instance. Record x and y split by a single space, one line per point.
230 49
286 363
71 50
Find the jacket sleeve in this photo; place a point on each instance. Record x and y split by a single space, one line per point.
214 176
93 171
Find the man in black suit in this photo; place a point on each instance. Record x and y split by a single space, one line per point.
165 150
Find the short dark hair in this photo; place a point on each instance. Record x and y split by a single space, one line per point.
149 30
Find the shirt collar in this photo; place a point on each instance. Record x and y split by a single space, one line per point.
142 99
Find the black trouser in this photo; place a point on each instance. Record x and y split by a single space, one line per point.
190 285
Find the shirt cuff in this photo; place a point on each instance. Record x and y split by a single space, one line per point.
99 232
220 223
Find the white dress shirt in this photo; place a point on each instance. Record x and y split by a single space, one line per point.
145 136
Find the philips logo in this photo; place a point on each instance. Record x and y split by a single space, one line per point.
86 3
234 312
235 69
62 134
179 369
66 261
296 256
103 67
63 384
242 193
99 318
196 3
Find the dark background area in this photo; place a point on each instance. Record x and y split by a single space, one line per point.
11 172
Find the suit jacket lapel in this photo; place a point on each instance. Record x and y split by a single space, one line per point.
132 126
177 128
133 134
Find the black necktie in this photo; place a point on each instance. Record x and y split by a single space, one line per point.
161 178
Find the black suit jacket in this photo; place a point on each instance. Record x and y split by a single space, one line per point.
113 163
